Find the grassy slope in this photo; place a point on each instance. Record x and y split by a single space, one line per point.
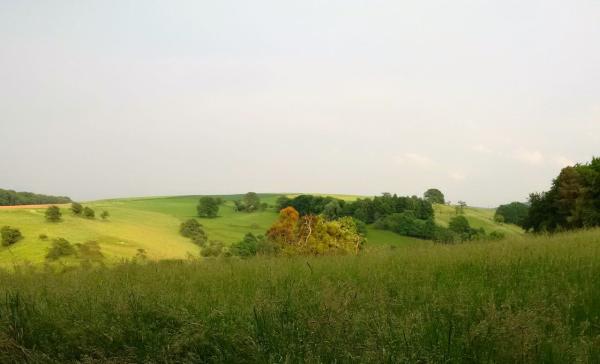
478 218
530 299
152 224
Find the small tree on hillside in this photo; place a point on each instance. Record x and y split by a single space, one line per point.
433 195
10 235
76 208
104 215
89 213
53 214
60 248
208 207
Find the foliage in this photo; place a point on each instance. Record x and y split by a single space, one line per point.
10 235
282 202
60 248
13 198
193 230
314 235
213 248
252 245
53 214
406 223
89 213
208 206
526 300
104 215
43 237
572 202
250 202
76 208
512 213
433 195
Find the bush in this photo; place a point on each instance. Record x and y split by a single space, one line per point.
53 214
43 237
104 215
208 207
193 230
60 248
212 249
10 235
76 208
406 223
89 213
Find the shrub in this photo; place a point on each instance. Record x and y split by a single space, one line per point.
104 215
193 230
53 214
43 237
212 249
208 207
10 235
60 248
76 208
89 213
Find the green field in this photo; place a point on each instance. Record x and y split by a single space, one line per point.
526 299
152 224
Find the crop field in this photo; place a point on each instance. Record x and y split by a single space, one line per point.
152 224
527 299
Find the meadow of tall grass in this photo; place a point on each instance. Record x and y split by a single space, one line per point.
520 300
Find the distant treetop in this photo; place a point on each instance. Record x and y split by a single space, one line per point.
433 195
13 198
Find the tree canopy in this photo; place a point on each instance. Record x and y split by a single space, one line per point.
208 207
433 195
572 202
13 198
512 213
53 214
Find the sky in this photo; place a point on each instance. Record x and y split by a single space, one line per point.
485 100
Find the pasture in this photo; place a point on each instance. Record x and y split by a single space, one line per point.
527 299
152 223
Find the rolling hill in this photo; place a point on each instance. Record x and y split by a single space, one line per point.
152 224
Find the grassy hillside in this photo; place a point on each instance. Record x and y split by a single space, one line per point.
478 218
152 224
522 300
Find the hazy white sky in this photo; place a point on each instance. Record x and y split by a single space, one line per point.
485 100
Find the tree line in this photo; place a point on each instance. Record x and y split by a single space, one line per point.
573 201
13 198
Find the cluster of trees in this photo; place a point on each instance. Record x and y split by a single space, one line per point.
193 230
53 213
208 206
250 202
86 211
13 198
412 216
512 213
314 234
89 251
572 202
10 235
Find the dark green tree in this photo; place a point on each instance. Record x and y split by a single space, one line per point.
60 248
208 207
433 195
76 208
89 213
512 213
10 235
104 215
53 214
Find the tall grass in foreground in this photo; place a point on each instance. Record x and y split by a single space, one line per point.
524 300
